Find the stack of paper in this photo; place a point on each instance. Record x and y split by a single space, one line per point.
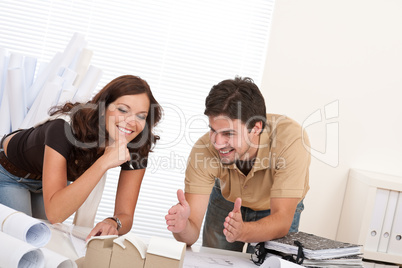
351 261
318 251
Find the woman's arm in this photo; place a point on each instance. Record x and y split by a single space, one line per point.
62 201
128 190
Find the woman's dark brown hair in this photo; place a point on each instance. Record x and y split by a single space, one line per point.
89 133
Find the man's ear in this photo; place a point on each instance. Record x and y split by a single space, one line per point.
257 129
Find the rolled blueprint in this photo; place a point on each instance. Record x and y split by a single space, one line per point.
29 70
3 67
55 260
59 63
68 90
73 48
68 76
16 61
48 98
5 122
23 227
67 94
82 65
33 93
15 253
15 88
88 84
16 98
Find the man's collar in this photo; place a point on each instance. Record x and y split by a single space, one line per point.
263 159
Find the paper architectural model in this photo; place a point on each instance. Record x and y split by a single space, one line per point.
128 251
99 251
163 252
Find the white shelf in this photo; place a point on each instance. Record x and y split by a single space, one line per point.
372 205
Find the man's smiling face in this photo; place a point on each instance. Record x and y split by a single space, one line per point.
232 139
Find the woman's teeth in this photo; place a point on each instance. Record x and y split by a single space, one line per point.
125 130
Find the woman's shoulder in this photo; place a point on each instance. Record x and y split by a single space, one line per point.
55 126
56 122
57 131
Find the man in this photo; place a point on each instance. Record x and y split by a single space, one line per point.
256 165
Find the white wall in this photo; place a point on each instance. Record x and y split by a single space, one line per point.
346 55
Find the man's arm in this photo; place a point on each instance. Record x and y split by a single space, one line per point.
271 227
184 219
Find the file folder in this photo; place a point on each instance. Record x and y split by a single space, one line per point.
377 219
388 219
395 241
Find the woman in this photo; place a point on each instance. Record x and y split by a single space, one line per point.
113 129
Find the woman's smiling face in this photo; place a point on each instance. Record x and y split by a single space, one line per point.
127 116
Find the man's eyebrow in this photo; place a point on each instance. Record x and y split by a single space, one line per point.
223 131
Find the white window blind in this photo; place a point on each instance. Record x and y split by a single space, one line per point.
180 47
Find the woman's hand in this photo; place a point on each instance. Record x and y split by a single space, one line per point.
117 153
105 227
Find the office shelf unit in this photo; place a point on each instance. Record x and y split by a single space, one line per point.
372 215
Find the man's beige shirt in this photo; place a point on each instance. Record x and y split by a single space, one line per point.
281 168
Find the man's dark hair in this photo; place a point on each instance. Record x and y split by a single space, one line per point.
237 98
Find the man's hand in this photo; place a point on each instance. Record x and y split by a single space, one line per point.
234 225
177 216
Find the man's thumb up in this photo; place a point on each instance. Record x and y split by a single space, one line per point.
237 205
181 198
